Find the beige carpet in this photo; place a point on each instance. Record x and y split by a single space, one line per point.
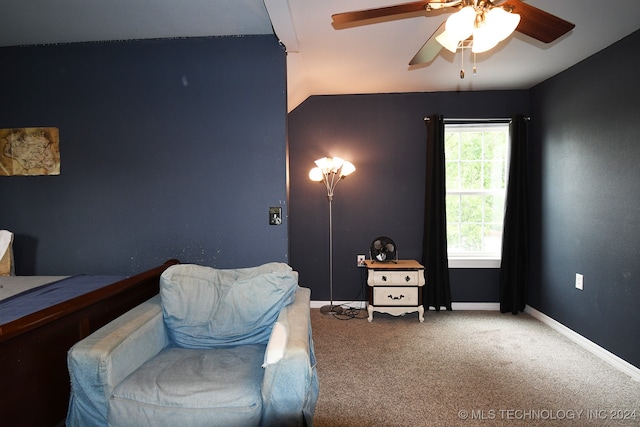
463 368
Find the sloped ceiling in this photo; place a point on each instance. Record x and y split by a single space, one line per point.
322 60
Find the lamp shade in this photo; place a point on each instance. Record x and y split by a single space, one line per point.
315 174
336 164
502 23
483 39
497 26
347 168
459 26
448 42
324 163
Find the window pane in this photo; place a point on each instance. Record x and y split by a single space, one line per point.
452 146
494 145
470 145
453 208
471 209
493 209
453 234
471 175
471 237
494 175
453 175
492 237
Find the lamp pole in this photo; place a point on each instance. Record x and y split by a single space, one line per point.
331 308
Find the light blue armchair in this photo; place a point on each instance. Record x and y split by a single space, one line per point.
215 348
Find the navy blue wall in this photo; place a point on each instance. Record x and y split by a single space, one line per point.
384 136
170 148
586 204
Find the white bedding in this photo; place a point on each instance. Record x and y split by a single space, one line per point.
12 285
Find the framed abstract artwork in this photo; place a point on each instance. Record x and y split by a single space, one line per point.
29 151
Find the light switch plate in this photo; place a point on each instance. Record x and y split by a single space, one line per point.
275 215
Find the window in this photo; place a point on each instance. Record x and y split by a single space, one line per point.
476 157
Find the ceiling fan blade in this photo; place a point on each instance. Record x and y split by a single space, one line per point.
430 49
537 23
381 12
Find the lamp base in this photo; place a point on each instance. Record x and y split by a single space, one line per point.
331 309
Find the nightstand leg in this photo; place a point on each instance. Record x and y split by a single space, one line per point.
421 313
370 310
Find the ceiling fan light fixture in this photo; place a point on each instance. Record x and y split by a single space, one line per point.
483 39
460 25
448 42
497 25
501 22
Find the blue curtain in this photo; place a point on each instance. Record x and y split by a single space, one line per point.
515 235
434 243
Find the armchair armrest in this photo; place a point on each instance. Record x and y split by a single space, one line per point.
102 360
290 386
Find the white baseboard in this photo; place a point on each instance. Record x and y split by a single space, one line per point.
488 306
491 306
588 345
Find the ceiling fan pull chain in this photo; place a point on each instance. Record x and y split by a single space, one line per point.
475 70
462 63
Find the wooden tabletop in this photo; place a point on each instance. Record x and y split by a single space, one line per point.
401 264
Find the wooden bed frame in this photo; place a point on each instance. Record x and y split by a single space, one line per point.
34 380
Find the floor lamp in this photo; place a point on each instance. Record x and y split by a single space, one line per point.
330 171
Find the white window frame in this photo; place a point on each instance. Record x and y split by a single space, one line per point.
478 260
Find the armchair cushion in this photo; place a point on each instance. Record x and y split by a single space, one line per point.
193 387
205 307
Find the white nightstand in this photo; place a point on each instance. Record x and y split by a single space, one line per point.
395 287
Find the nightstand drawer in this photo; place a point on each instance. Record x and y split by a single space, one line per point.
396 295
396 278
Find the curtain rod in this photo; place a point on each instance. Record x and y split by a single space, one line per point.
485 120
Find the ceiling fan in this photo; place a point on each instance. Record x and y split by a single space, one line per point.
476 15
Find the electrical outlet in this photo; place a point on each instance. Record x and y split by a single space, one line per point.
579 281
361 262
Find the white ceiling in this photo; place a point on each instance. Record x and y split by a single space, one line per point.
322 60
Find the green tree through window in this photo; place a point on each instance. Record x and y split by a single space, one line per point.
476 158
